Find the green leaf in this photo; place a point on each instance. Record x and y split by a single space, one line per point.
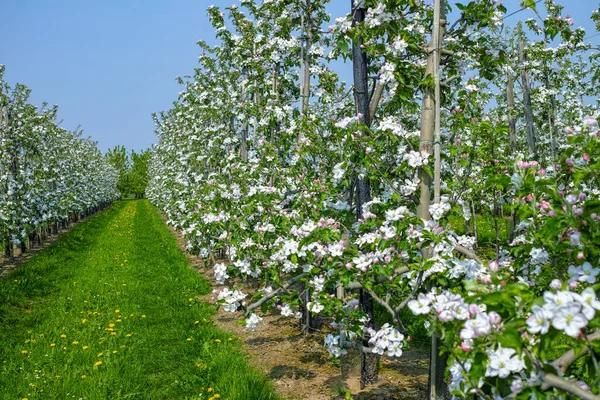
510 338
529 4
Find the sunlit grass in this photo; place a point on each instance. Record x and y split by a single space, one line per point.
111 311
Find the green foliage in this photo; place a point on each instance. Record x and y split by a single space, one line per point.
133 170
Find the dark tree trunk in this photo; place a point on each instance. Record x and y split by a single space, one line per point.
369 370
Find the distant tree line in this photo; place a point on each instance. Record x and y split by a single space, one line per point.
133 170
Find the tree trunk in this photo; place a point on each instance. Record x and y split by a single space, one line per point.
244 138
510 102
527 101
430 140
369 371
369 362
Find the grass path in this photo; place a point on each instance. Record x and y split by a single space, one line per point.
111 311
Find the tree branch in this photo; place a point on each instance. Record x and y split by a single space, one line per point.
376 98
564 362
561 383
467 253
379 279
274 293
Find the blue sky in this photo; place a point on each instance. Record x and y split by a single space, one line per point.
110 64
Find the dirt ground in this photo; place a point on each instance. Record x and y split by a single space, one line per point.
300 365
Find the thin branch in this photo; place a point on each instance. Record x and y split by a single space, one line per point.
274 293
467 253
570 387
379 279
564 362
376 98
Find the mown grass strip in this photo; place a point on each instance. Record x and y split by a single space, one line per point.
111 311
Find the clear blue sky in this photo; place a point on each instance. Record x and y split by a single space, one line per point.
110 64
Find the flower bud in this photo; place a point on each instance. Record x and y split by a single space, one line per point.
573 285
493 266
473 309
494 318
556 284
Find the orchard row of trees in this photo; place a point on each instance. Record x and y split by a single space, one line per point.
48 175
337 199
132 169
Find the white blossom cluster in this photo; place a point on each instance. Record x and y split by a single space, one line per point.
564 310
386 339
232 299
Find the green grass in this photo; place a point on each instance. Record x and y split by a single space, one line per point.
111 311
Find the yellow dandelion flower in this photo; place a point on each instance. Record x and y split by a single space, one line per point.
189 339
83 376
113 333
230 339
75 342
117 311
23 352
143 316
58 376
52 344
63 336
218 340
111 325
120 320
99 354
115 352
209 390
98 363
129 334
196 322
85 347
83 321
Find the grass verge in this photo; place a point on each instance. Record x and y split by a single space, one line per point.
111 311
